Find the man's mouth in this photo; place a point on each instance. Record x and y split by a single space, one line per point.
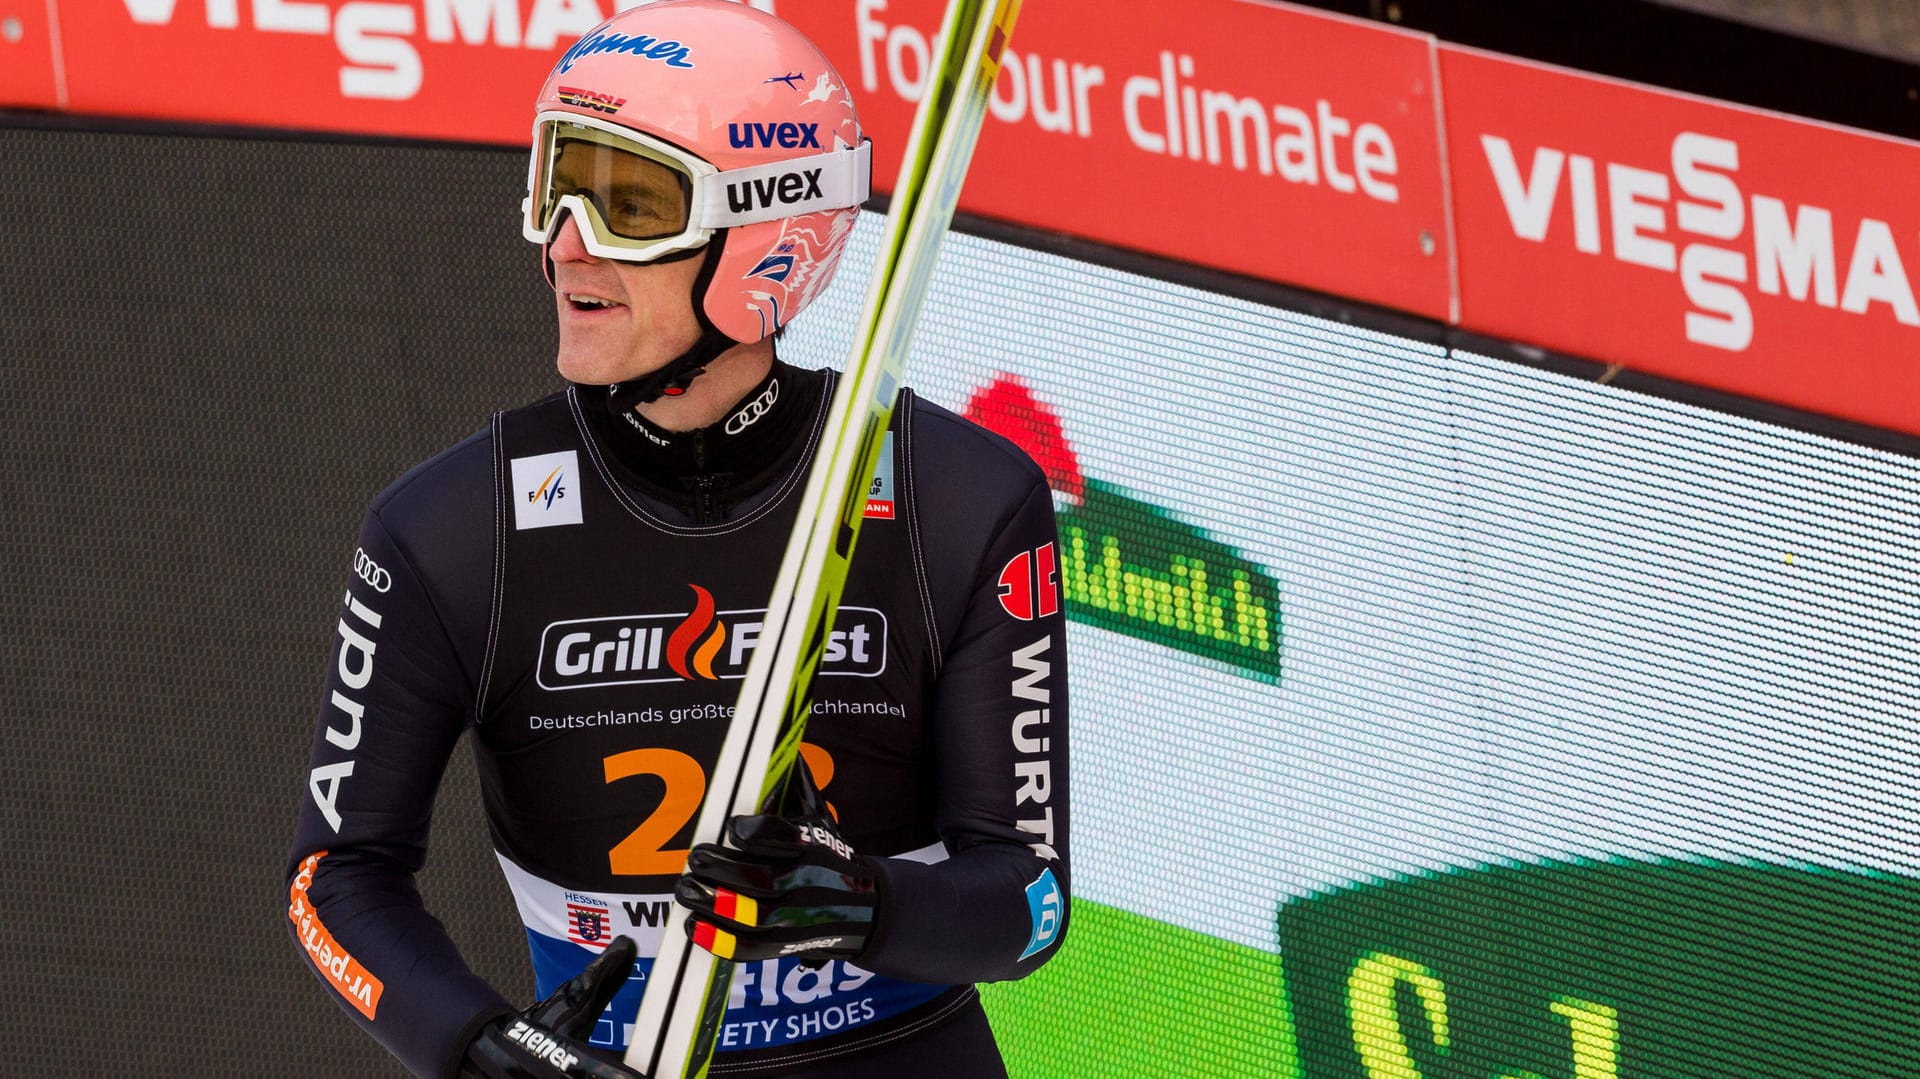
581 301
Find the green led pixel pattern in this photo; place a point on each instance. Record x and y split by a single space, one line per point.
1132 567
1600 970
1131 996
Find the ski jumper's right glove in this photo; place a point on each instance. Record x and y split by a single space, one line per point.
549 1039
785 884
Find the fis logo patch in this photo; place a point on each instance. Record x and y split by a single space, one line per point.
1030 584
880 493
546 490
1048 908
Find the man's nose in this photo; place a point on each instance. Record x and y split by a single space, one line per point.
568 246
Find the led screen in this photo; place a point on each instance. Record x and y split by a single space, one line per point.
1440 716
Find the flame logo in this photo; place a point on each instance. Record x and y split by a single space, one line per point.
681 642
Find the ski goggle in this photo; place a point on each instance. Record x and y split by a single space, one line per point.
636 198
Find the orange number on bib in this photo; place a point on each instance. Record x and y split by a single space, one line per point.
643 853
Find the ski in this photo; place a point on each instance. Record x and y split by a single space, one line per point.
686 994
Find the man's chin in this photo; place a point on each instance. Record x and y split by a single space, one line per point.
590 370
587 373
593 363
587 359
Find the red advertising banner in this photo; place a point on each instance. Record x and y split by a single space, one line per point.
1705 242
1714 244
1258 138
29 57
463 70
1313 159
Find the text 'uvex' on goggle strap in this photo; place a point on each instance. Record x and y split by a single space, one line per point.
640 197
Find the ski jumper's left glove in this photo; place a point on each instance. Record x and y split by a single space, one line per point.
549 1040
784 884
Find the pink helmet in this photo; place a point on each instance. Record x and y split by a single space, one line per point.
749 119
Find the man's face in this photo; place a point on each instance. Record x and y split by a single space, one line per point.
619 320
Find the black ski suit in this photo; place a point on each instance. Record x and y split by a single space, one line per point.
584 598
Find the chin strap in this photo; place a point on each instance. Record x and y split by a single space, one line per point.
673 379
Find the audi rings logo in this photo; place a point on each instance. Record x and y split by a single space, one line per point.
755 409
372 572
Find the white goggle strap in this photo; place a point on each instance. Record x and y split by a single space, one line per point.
834 180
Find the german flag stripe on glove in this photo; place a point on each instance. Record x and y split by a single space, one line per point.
718 941
736 908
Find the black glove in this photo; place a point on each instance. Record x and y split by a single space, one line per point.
549 1040
786 884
